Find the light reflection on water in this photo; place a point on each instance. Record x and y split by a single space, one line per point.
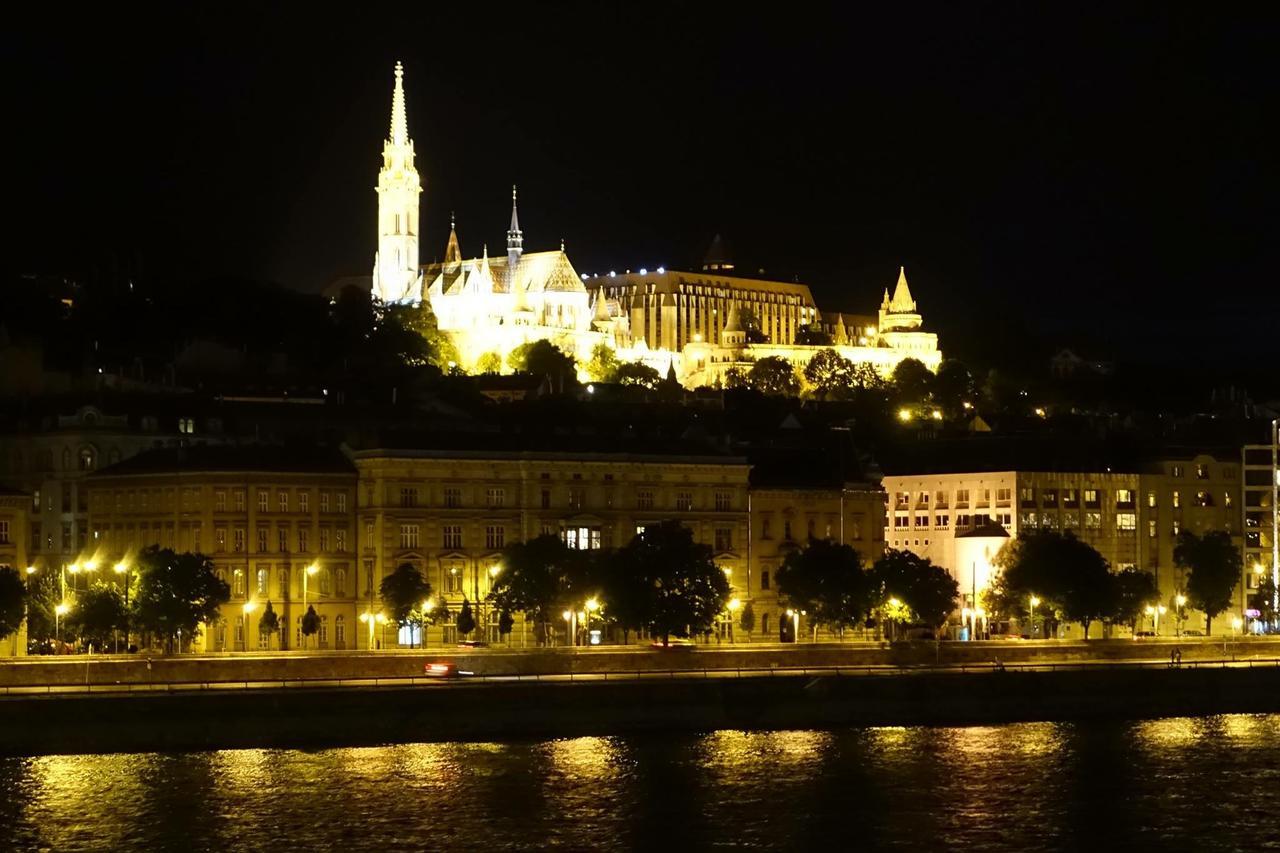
1210 783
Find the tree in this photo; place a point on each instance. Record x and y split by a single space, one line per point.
177 592
747 621
928 591
414 333
98 613
543 358
1066 573
678 589
42 598
912 381
269 624
735 378
751 325
466 622
505 623
604 361
490 362
636 373
809 336
1265 598
826 580
13 600
774 375
867 378
830 374
1134 590
539 578
310 623
1214 567
953 386
403 592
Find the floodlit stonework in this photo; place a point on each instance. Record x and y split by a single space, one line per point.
665 319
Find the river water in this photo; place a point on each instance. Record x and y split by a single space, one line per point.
1173 784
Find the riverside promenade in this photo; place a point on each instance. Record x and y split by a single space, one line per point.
385 697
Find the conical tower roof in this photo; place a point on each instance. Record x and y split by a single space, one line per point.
734 322
718 255
452 253
902 303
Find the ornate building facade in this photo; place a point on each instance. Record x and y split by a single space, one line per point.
670 320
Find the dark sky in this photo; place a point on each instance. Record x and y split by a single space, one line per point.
1101 175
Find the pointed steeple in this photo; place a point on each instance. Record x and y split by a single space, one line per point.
452 252
515 238
399 121
902 301
484 262
600 308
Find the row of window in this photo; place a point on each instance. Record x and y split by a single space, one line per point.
828 529
941 498
263 641
325 582
496 497
942 520
168 535
143 500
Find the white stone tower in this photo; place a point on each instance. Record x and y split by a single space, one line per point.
395 266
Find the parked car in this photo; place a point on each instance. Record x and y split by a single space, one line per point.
472 644
1193 632
675 643
1137 635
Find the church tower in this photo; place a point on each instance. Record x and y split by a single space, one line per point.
395 266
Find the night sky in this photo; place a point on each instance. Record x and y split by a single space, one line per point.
1103 177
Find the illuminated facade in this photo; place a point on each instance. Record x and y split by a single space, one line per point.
783 520
450 514
261 515
679 320
14 554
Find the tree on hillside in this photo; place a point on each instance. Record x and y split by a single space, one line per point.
1066 573
679 590
928 591
13 599
539 578
97 614
636 373
177 592
602 364
1134 590
489 363
735 378
826 580
808 335
1214 565
829 374
543 358
403 592
775 376
269 624
953 386
751 325
912 381
867 378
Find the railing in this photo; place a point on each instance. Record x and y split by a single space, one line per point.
866 670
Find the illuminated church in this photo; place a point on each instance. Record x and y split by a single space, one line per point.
692 322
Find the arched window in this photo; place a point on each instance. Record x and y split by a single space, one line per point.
88 458
237 583
340 633
324 631
284 584
340 583
326 582
66 459
263 579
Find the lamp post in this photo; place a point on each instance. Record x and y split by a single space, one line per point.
795 624
1181 601
58 612
122 568
589 609
370 618
568 618
308 572
248 608
494 571
735 604
427 607
1034 600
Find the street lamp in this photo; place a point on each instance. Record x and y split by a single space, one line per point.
795 624
1035 599
249 607
58 612
370 618
568 618
310 570
735 605
122 568
1181 601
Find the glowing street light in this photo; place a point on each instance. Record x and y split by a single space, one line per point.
569 616
59 611
904 415
1035 599
122 568
370 618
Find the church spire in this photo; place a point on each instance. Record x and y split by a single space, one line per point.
515 238
399 121
452 252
